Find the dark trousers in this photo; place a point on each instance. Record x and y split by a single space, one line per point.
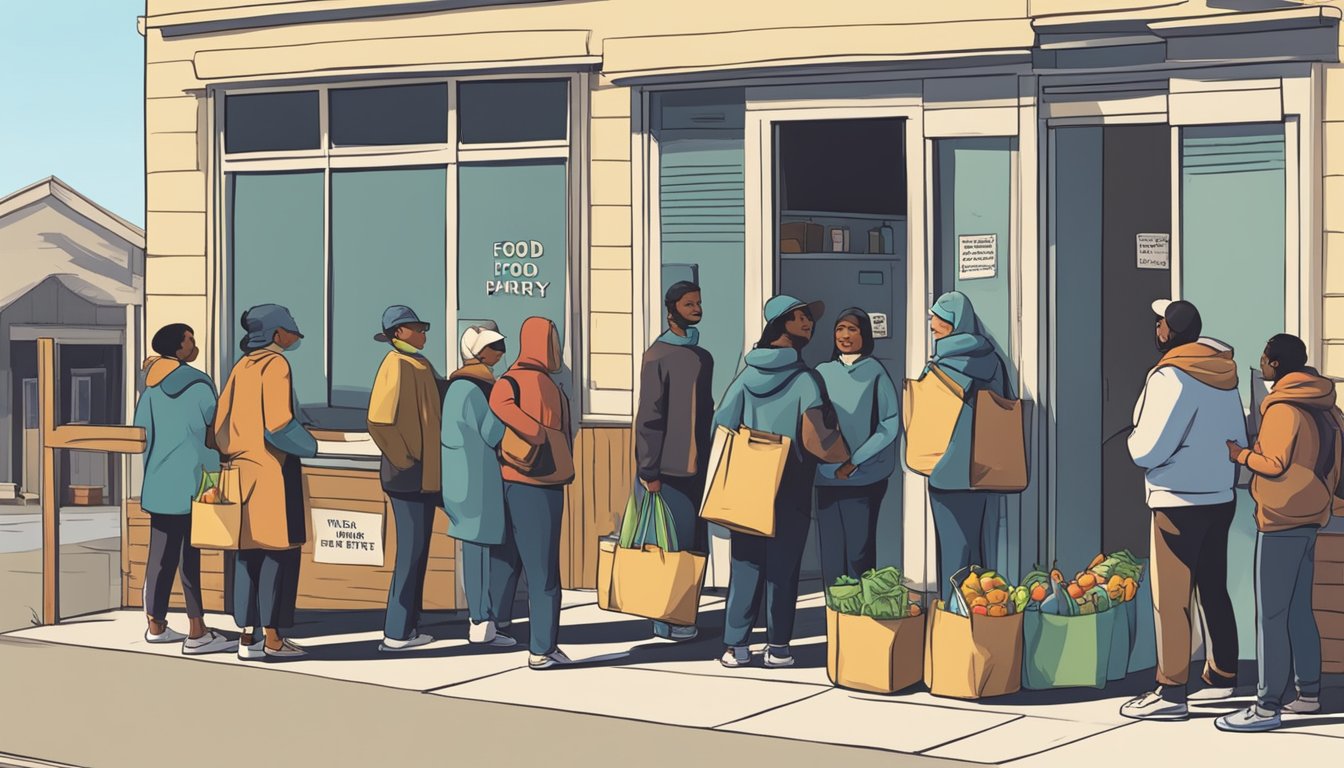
683 495
265 587
959 527
768 567
532 541
490 580
847 529
169 546
1190 554
414 516
1288 642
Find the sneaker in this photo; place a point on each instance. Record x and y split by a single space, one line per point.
778 656
287 650
1154 706
736 657
676 634
552 659
396 646
1303 705
502 641
167 636
210 642
481 632
1212 694
252 652
1249 720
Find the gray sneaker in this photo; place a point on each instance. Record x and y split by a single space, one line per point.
1250 720
1152 706
736 657
552 659
210 642
1303 705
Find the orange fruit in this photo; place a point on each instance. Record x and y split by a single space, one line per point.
1131 589
979 601
914 609
1038 592
997 596
1087 581
980 610
998 611
1076 591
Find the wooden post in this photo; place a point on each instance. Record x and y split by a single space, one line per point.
47 377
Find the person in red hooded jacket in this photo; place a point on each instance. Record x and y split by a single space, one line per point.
536 412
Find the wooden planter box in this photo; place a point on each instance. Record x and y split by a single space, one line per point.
86 495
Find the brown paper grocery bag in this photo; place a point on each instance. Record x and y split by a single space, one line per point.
606 558
874 655
972 658
740 494
665 586
999 444
218 525
930 406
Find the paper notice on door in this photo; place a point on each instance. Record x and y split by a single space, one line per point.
1154 250
879 325
977 256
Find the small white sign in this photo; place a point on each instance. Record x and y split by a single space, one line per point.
1154 250
977 256
879 325
342 537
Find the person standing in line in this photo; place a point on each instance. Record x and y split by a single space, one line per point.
404 419
849 495
1189 409
176 411
673 432
1296 466
259 436
473 488
777 393
532 405
960 512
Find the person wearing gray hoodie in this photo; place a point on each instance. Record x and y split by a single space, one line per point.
777 393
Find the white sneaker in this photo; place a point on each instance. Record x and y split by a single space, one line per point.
736 657
287 650
396 646
1250 720
777 658
167 636
683 634
481 633
1212 694
252 652
552 659
210 642
1303 705
1151 706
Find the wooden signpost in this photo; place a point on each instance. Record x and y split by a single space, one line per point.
81 437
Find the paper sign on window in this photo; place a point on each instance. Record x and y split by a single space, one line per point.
1154 250
977 256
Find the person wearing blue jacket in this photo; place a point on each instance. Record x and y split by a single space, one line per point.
176 411
960 512
849 495
777 393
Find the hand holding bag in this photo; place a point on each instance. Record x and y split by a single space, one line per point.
217 511
657 581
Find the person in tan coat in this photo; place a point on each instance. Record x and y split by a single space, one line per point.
258 435
404 415
1296 467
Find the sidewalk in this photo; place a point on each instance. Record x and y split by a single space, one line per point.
627 675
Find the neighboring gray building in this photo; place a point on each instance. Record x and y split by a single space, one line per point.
75 272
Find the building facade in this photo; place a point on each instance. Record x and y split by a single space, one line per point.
1062 162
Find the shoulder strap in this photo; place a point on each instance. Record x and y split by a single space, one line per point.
513 384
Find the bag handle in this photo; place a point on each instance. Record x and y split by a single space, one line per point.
665 535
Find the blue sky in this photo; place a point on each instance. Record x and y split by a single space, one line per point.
71 99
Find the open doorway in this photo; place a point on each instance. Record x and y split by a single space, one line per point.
840 237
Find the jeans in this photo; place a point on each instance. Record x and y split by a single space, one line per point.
683 495
265 587
847 529
490 579
1287 640
414 516
532 540
169 544
769 567
959 527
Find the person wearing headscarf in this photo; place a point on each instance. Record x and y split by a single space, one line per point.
259 436
777 393
1189 409
960 512
473 488
404 416
849 495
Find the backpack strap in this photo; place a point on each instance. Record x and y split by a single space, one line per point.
1326 434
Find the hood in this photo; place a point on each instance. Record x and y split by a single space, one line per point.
539 345
965 350
955 308
1306 389
474 370
769 368
171 376
1207 361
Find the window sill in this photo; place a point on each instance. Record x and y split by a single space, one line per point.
354 445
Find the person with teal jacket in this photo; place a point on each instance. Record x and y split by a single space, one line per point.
176 411
849 495
777 393
960 513
473 489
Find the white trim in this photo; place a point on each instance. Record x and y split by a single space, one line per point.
577 207
645 243
473 155
1295 283
1177 283
552 144
72 334
52 187
434 159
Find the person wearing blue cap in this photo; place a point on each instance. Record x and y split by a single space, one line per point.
778 393
404 417
259 435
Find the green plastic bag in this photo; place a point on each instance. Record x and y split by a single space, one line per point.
1067 651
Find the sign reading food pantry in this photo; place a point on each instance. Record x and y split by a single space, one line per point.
977 256
341 537
516 269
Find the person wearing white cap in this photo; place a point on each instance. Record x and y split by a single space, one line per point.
1189 409
473 489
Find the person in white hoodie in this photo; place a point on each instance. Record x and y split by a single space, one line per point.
1189 409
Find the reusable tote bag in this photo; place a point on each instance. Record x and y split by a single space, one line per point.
657 581
874 655
972 657
1068 651
740 494
217 511
606 550
998 444
930 406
